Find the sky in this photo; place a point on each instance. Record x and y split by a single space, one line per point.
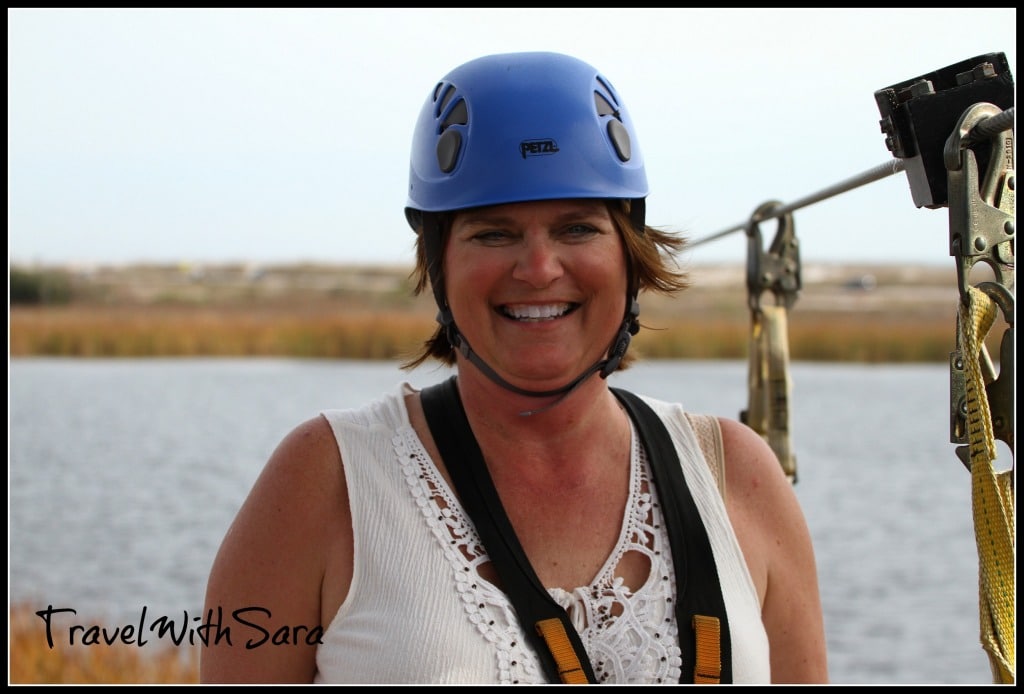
274 136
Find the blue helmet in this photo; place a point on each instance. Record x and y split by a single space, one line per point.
523 126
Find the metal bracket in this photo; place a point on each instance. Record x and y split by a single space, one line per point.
919 113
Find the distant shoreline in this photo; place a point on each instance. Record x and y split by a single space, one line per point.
870 313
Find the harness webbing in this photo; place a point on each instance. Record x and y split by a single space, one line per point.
465 463
698 589
992 500
705 651
708 632
570 669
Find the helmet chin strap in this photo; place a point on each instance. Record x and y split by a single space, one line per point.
630 326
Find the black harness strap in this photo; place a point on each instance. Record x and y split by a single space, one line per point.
465 463
698 591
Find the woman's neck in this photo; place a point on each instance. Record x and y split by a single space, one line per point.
587 419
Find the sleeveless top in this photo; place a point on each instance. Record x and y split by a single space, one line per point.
418 611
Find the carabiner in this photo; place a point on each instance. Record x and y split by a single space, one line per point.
778 269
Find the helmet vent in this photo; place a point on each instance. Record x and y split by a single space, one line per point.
450 143
619 136
443 93
448 146
457 116
616 131
604 108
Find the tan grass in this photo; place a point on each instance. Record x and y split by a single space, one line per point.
33 661
331 332
157 332
369 313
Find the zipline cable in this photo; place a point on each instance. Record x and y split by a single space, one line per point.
985 129
870 176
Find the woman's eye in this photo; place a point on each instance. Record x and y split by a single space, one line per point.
491 236
580 230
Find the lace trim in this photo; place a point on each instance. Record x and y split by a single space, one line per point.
486 606
630 636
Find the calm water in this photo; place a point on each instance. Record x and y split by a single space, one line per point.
124 475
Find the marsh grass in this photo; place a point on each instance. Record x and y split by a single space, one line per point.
331 333
341 312
177 332
32 661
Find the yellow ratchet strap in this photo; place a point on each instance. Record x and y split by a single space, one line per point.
569 668
992 501
708 669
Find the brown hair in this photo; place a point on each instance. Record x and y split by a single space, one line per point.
651 257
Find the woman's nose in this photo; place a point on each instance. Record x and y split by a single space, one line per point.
539 263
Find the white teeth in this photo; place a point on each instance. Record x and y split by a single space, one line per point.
534 312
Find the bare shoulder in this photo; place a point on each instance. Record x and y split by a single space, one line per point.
302 479
308 454
776 542
761 502
276 558
759 494
752 469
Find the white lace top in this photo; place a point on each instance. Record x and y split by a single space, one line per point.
418 610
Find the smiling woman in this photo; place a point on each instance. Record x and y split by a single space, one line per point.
536 257
537 244
565 259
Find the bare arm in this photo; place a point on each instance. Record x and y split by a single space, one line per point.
285 552
776 542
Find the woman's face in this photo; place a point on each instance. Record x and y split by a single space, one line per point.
538 289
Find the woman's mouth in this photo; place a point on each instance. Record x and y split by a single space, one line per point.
537 312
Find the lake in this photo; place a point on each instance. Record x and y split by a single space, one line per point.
124 476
